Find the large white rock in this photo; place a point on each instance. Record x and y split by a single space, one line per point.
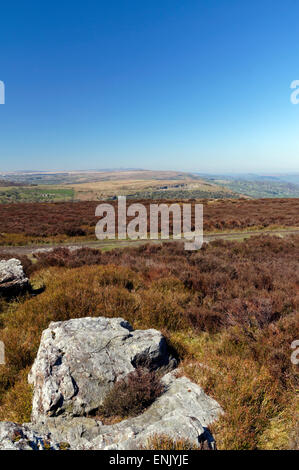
184 411
12 277
77 363
79 360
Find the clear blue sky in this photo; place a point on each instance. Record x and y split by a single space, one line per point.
161 84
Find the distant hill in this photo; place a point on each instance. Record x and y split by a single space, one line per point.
101 185
259 186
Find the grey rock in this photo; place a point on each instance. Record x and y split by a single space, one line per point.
79 360
12 277
184 411
17 437
77 363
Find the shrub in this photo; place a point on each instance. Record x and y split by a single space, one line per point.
24 222
132 395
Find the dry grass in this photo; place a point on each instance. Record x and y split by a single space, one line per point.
164 442
17 402
139 182
69 221
230 311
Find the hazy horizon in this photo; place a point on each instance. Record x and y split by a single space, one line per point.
195 171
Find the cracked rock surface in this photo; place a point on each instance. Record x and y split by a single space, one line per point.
79 360
184 411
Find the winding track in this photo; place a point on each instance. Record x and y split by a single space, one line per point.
110 244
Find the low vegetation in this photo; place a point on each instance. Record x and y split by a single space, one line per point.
164 442
23 224
132 395
230 310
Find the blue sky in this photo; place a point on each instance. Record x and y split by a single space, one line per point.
160 84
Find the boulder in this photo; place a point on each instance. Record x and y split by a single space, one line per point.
12 278
184 411
79 360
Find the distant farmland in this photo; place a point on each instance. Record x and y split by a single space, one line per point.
101 185
17 193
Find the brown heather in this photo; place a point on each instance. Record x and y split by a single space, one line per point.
230 310
164 442
132 395
23 223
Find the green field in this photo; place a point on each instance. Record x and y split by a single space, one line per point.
34 194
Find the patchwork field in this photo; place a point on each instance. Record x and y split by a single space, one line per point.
99 185
141 184
18 193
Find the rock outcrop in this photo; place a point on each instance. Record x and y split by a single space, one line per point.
77 363
184 411
12 278
16 437
79 360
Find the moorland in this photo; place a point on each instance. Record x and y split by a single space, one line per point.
229 311
69 222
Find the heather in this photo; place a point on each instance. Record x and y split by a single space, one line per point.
132 395
25 223
230 312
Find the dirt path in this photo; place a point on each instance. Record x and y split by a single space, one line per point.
109 244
